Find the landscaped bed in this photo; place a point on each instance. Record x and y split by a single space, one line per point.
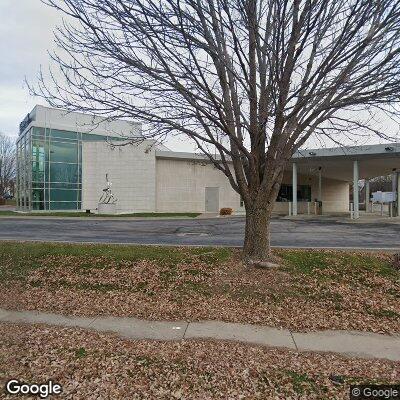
91 365
311 290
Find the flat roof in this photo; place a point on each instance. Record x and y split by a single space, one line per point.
180 155
54 118
334 163
353 152
348 152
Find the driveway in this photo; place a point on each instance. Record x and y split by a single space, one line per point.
213 231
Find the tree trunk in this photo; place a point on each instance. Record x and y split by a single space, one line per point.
257 249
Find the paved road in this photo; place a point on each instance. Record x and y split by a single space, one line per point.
227 231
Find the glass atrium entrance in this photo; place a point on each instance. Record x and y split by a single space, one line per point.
49 173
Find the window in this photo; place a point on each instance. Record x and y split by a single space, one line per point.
64 152
64 205
63 195
286 193
64 173
55 133
38 171
304 193
65 185
38 131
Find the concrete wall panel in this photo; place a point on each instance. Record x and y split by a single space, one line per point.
181 186
130 169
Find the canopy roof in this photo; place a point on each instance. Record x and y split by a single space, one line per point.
335 163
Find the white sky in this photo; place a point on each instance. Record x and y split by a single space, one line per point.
26 34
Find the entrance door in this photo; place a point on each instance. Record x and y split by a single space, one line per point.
212 199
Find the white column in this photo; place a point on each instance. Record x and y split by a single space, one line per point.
355 190
398 194
367 208
294 188
319 184
394 190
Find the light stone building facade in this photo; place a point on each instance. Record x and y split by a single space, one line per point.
63 159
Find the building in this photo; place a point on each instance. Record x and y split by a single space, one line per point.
63 159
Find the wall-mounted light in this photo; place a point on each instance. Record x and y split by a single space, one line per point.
312 153
389 148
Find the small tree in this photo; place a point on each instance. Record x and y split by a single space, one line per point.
248 81
7 164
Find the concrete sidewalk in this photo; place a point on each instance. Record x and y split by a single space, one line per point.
350 343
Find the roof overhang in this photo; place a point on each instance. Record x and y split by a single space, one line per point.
337 163
334 163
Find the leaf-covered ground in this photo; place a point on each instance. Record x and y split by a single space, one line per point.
91 365
311 290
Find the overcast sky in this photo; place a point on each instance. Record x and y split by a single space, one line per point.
26 34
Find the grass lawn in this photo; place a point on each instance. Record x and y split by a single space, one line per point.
8 213
91 365
311 290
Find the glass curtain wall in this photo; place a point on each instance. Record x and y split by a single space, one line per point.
56 169
24 171
49 170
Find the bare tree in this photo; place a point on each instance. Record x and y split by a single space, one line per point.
249 81
7 164
381 183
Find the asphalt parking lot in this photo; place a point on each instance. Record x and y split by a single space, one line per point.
207 231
